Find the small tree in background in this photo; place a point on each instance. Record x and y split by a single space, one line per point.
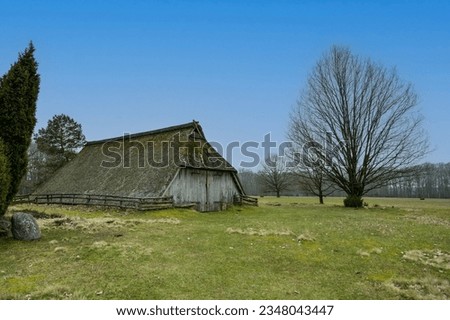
314 181
60 140
274 175
310 172
19 89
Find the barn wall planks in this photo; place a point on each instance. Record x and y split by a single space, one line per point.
210 190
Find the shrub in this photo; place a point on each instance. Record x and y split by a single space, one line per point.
353 201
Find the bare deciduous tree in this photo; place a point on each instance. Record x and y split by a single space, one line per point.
370 116
314 181
274 175
309 172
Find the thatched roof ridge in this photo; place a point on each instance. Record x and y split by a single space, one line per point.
193 124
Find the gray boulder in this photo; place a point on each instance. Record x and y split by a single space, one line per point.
24 227
5 228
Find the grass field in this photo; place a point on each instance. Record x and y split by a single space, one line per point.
287 248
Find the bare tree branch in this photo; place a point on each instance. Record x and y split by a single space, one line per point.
274 174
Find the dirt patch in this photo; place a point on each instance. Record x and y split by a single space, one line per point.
436 258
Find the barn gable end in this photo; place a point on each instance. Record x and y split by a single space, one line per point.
175 161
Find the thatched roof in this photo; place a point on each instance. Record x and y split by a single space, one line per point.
137 165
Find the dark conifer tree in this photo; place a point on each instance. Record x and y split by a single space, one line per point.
5 177
60 141
19 89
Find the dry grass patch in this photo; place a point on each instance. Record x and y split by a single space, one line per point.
161 220
435 258
306 236
259 232
122 248
54 292
429 220
367 253
93 225
99 244
60 250
425 288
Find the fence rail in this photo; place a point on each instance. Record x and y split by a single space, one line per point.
98 200
246 200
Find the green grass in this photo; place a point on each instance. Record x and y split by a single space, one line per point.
287 248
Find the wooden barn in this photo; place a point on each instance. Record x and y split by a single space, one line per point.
173 162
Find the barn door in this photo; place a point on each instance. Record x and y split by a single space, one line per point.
213 191
208 192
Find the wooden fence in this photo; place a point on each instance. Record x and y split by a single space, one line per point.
98 200
116 201
246 200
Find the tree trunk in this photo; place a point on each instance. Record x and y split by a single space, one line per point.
278 193
320 194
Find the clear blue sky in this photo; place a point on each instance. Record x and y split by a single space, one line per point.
236 66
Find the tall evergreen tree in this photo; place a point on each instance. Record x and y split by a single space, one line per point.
19 89
5 177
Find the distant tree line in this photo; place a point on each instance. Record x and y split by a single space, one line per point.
428 181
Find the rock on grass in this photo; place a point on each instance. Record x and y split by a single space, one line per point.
24 227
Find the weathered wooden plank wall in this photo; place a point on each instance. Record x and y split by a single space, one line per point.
210 190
